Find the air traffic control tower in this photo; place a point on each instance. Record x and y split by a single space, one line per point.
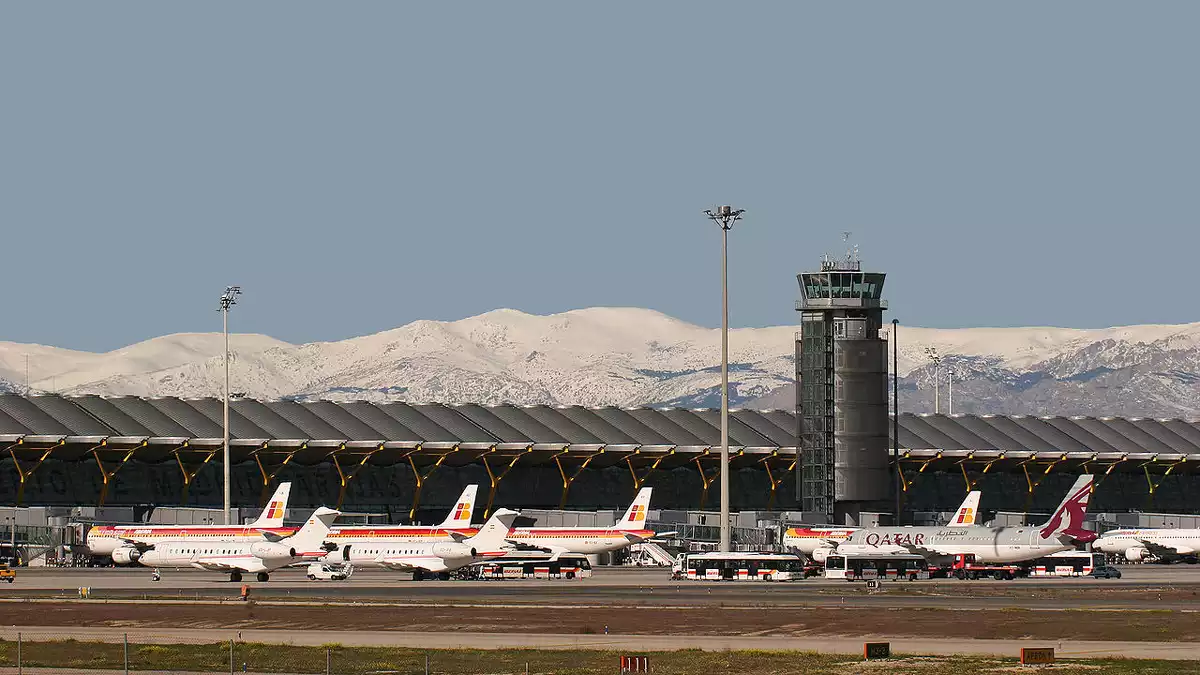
841 393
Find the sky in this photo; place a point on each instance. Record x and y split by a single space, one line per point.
355 167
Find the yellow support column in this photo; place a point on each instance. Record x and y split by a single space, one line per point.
639 480
775 482
345 475
495 478
420 479
109 476
22 473
568 480
190 475
705 479
268 475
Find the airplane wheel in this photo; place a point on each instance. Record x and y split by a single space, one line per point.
263 576
235 576
417 576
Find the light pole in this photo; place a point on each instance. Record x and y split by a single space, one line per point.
725 217
896 416
228 299
932 353
950 390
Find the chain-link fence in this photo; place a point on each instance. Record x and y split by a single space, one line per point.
85 653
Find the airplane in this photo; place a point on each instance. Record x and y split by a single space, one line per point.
434 557
630 529
125 543
457 522
1163 544
815 542
1062 532
260 557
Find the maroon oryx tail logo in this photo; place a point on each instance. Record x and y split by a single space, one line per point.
1073 509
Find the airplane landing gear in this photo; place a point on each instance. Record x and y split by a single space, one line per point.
235 576
263 576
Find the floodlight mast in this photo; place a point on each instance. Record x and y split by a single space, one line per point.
228 299
932 353
725 217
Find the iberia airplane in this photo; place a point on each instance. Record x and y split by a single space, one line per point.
458 522
125 543
630 529
259 557
437 557
818 542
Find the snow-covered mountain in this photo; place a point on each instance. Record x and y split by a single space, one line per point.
628 356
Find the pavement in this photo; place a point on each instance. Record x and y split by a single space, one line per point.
1143 587
942 646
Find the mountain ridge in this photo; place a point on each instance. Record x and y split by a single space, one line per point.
628 356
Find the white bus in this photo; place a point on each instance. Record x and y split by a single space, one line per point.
739 567
867 567
517 566
1065 564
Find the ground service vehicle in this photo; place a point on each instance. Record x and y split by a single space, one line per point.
867 567
739 567
965 566
7 574
1065 564
328 572
1106 572
539 566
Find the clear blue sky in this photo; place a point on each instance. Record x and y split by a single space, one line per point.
358 166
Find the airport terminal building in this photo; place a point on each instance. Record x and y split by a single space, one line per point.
410 461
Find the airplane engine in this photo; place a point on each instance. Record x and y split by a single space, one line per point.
271 551
1136 553
126 555
453 551
820 554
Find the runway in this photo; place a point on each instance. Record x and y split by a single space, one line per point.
1165 587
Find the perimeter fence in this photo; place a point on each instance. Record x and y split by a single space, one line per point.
95 652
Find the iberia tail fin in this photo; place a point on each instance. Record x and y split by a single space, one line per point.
635 516
968 512
272 513
460 515
1067 520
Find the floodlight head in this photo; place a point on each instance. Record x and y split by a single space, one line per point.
229 297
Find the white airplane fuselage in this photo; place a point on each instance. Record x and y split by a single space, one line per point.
1137 544
579 539
987 544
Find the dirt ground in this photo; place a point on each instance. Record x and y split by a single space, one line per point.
980 623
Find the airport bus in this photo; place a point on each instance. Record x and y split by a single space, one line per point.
1065 564
536 566
867 567
739 567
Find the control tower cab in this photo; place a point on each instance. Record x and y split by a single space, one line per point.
841 393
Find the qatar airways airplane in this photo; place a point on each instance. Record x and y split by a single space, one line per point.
1062 532
258 557
125 543
818 542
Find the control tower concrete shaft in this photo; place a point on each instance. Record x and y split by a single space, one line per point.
841 393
